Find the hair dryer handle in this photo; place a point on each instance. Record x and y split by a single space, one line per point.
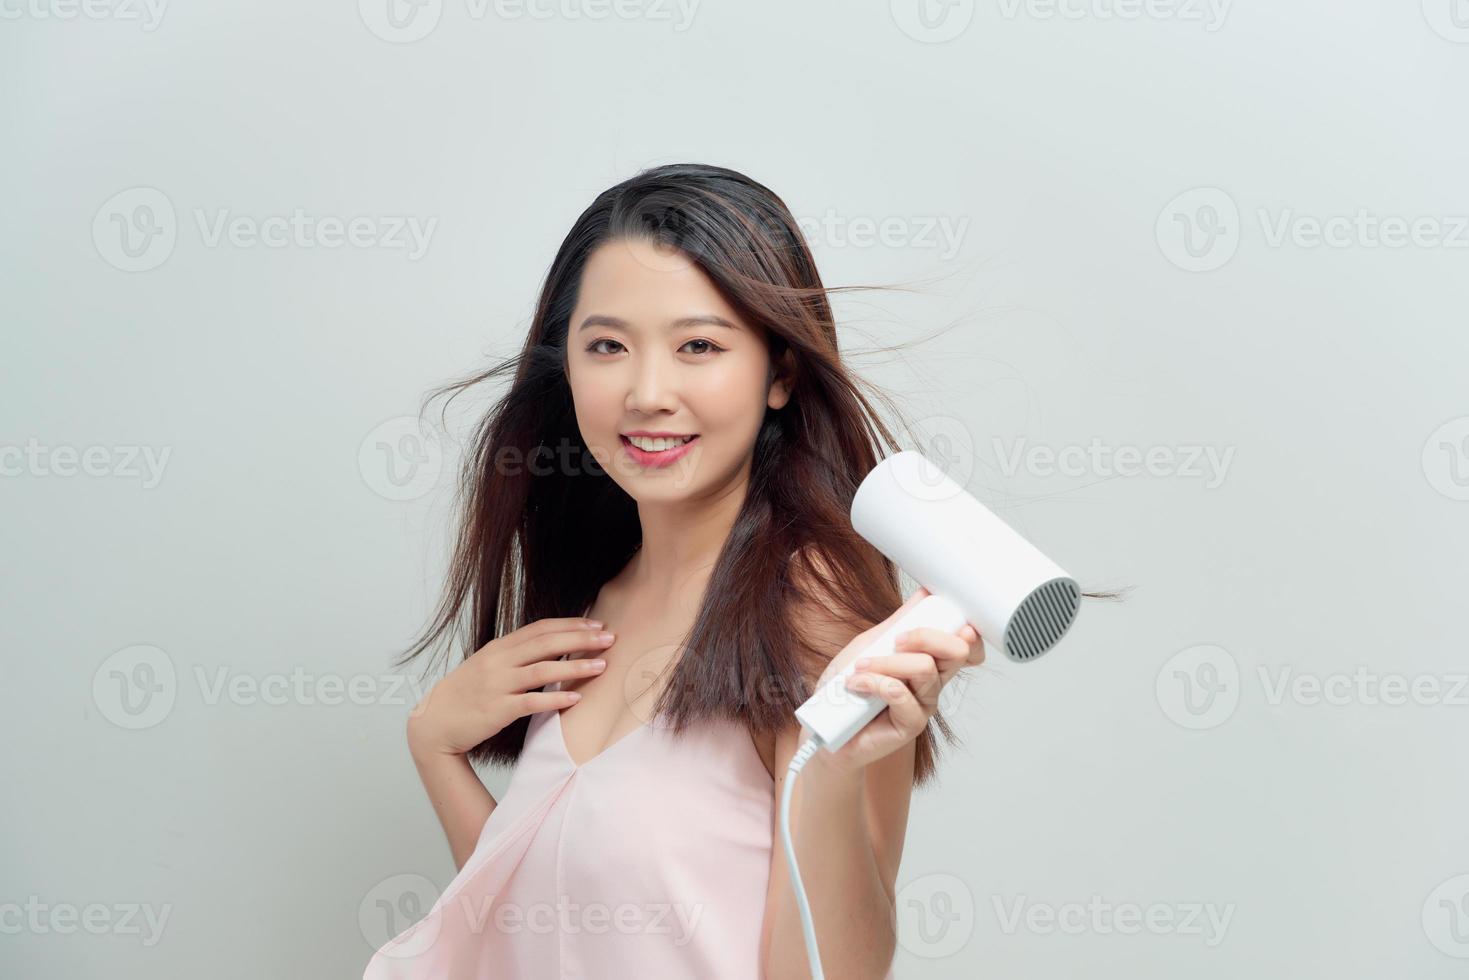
834 714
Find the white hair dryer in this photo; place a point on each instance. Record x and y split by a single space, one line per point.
977 568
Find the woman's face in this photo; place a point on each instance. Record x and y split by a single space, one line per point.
652 347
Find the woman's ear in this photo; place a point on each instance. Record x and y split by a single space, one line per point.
782 379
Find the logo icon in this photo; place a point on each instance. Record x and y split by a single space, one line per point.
946 460
401 459
1199 230
135 230
1446 917
932 21
1448 18
1446 459
1199 688
401 21
136 687
935 916
394 905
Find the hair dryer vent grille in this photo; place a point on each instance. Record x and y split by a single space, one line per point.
1042 619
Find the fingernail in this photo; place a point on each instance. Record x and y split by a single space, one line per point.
602 637
598 664
573 696
595 624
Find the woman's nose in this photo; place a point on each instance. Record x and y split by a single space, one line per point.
654 386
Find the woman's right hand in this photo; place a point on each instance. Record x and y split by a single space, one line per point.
500 681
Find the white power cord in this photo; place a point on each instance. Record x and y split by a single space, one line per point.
798 762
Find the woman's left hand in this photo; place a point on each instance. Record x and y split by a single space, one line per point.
909 680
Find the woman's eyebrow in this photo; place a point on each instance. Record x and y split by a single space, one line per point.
710 320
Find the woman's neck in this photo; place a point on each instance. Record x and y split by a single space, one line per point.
682 541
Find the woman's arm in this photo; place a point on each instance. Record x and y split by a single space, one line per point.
459 798
848 829
849 810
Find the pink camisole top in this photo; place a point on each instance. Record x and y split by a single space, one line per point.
651 859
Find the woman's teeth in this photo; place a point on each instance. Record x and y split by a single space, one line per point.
656 445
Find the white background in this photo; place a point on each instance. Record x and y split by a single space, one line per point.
1153 759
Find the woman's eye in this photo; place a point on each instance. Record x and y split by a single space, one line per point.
708 345
604 340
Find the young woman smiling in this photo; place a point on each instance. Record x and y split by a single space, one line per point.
674 461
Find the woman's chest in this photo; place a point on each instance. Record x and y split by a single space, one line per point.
622 698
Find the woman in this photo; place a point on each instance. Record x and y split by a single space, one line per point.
674 460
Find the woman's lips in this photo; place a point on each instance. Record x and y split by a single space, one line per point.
656 459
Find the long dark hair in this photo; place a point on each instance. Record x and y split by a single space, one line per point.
538 541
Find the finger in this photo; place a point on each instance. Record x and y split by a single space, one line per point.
553 645
908 714
536 675
919 670
556 625
971 636
543 627
924 692
976 651
529 704
949 649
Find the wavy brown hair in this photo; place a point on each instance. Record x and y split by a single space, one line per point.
543 526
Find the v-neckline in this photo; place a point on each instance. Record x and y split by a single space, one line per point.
566 749
561 732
